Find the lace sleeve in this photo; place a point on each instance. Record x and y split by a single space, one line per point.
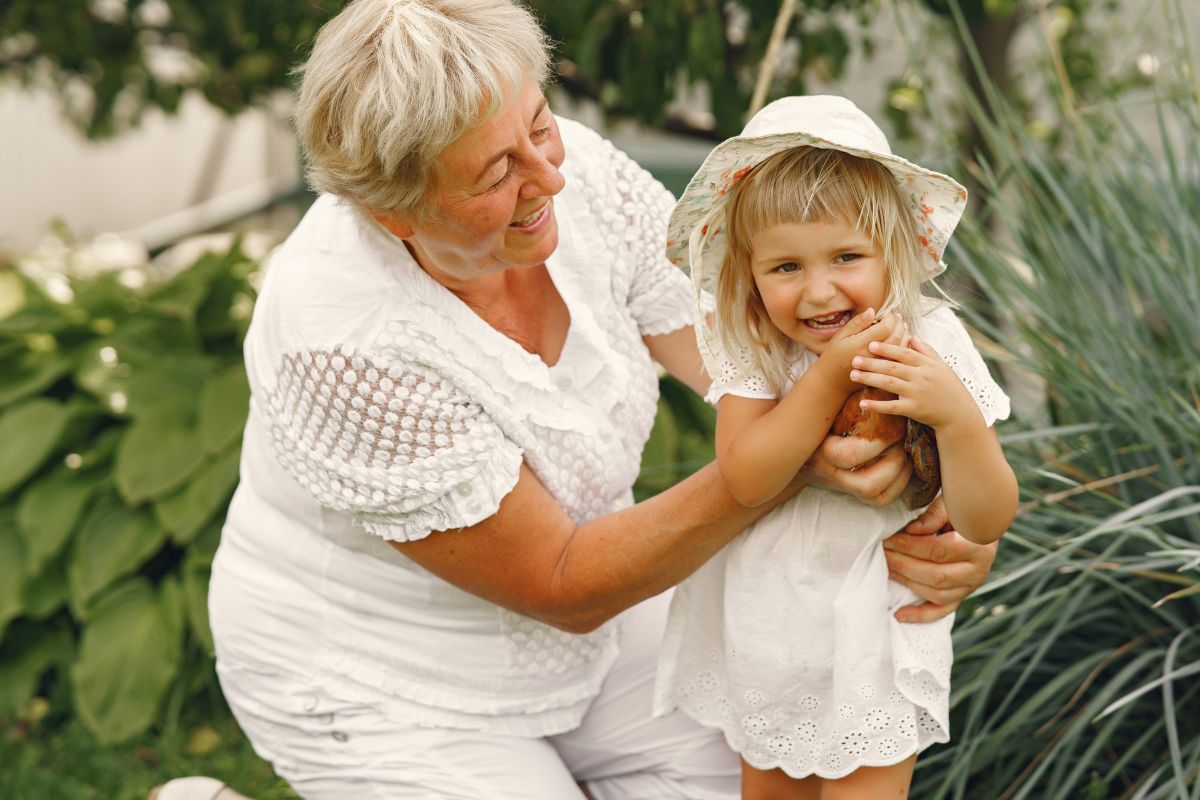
945 332
632 209
737 375
403 450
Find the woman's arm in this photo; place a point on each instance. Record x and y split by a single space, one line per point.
979 487
678 353
531 558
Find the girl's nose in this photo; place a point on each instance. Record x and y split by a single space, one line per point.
818 289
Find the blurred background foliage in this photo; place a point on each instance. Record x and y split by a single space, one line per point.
122 396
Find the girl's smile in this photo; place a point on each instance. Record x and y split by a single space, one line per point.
813 277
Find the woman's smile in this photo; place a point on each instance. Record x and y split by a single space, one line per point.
534 222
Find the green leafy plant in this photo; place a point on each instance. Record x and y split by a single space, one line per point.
120 424
1077 663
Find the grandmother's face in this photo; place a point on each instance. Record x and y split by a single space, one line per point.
492 202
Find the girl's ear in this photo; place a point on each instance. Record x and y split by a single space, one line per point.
394 225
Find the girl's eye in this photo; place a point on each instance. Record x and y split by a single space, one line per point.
788 267
846 258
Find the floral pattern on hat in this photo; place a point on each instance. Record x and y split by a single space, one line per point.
936 200
695 235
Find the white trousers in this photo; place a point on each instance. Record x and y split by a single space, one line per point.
341 750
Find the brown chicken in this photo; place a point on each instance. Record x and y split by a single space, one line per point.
918 441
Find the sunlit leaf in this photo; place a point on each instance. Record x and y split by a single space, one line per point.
155 456
112 542
128 655
29 433
224 404
49 510
12 576
184 513
45 592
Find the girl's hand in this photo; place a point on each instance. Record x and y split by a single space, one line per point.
853 341
930 558
926 388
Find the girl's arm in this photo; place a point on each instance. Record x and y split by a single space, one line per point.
762 444
978 484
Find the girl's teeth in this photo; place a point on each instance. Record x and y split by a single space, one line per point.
828 321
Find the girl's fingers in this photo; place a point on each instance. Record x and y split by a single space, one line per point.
860 322
916 345
896 352
895 408
895 384
882 366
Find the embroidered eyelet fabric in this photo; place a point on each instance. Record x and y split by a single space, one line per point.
785 640
383 408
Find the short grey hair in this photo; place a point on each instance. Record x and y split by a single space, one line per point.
391 83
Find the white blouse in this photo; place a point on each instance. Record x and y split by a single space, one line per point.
383 408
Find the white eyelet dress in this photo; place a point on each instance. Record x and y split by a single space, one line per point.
785 640
383 409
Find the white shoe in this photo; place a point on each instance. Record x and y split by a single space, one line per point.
194 788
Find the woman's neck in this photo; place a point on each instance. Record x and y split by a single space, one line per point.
523 304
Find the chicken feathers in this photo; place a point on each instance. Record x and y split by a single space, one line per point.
915 438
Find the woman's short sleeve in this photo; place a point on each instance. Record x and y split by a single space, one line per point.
396 445
945 332
631 208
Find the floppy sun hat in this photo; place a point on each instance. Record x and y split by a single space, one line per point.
695 234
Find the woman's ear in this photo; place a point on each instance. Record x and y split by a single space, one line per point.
394 225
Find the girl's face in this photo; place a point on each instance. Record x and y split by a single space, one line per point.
814 276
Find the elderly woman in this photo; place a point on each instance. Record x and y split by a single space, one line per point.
433 581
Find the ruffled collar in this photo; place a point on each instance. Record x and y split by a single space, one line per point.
464 347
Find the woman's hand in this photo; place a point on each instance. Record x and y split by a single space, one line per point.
874 472
930 558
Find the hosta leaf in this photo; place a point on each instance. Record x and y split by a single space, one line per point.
156 455
172 601
28 434
29 374
184 513
28 652
48 512
183 294
195 592
45 592
223 407
113 542
11 574
128 656
202 549
143 387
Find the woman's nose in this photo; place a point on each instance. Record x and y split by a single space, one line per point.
544 178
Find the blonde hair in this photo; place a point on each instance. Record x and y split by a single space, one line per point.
811 184
391 83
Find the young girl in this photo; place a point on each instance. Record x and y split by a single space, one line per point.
807 228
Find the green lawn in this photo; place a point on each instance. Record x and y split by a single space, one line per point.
56 758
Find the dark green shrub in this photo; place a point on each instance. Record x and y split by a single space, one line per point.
120 428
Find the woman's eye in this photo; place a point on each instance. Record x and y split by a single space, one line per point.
503 178
540 133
